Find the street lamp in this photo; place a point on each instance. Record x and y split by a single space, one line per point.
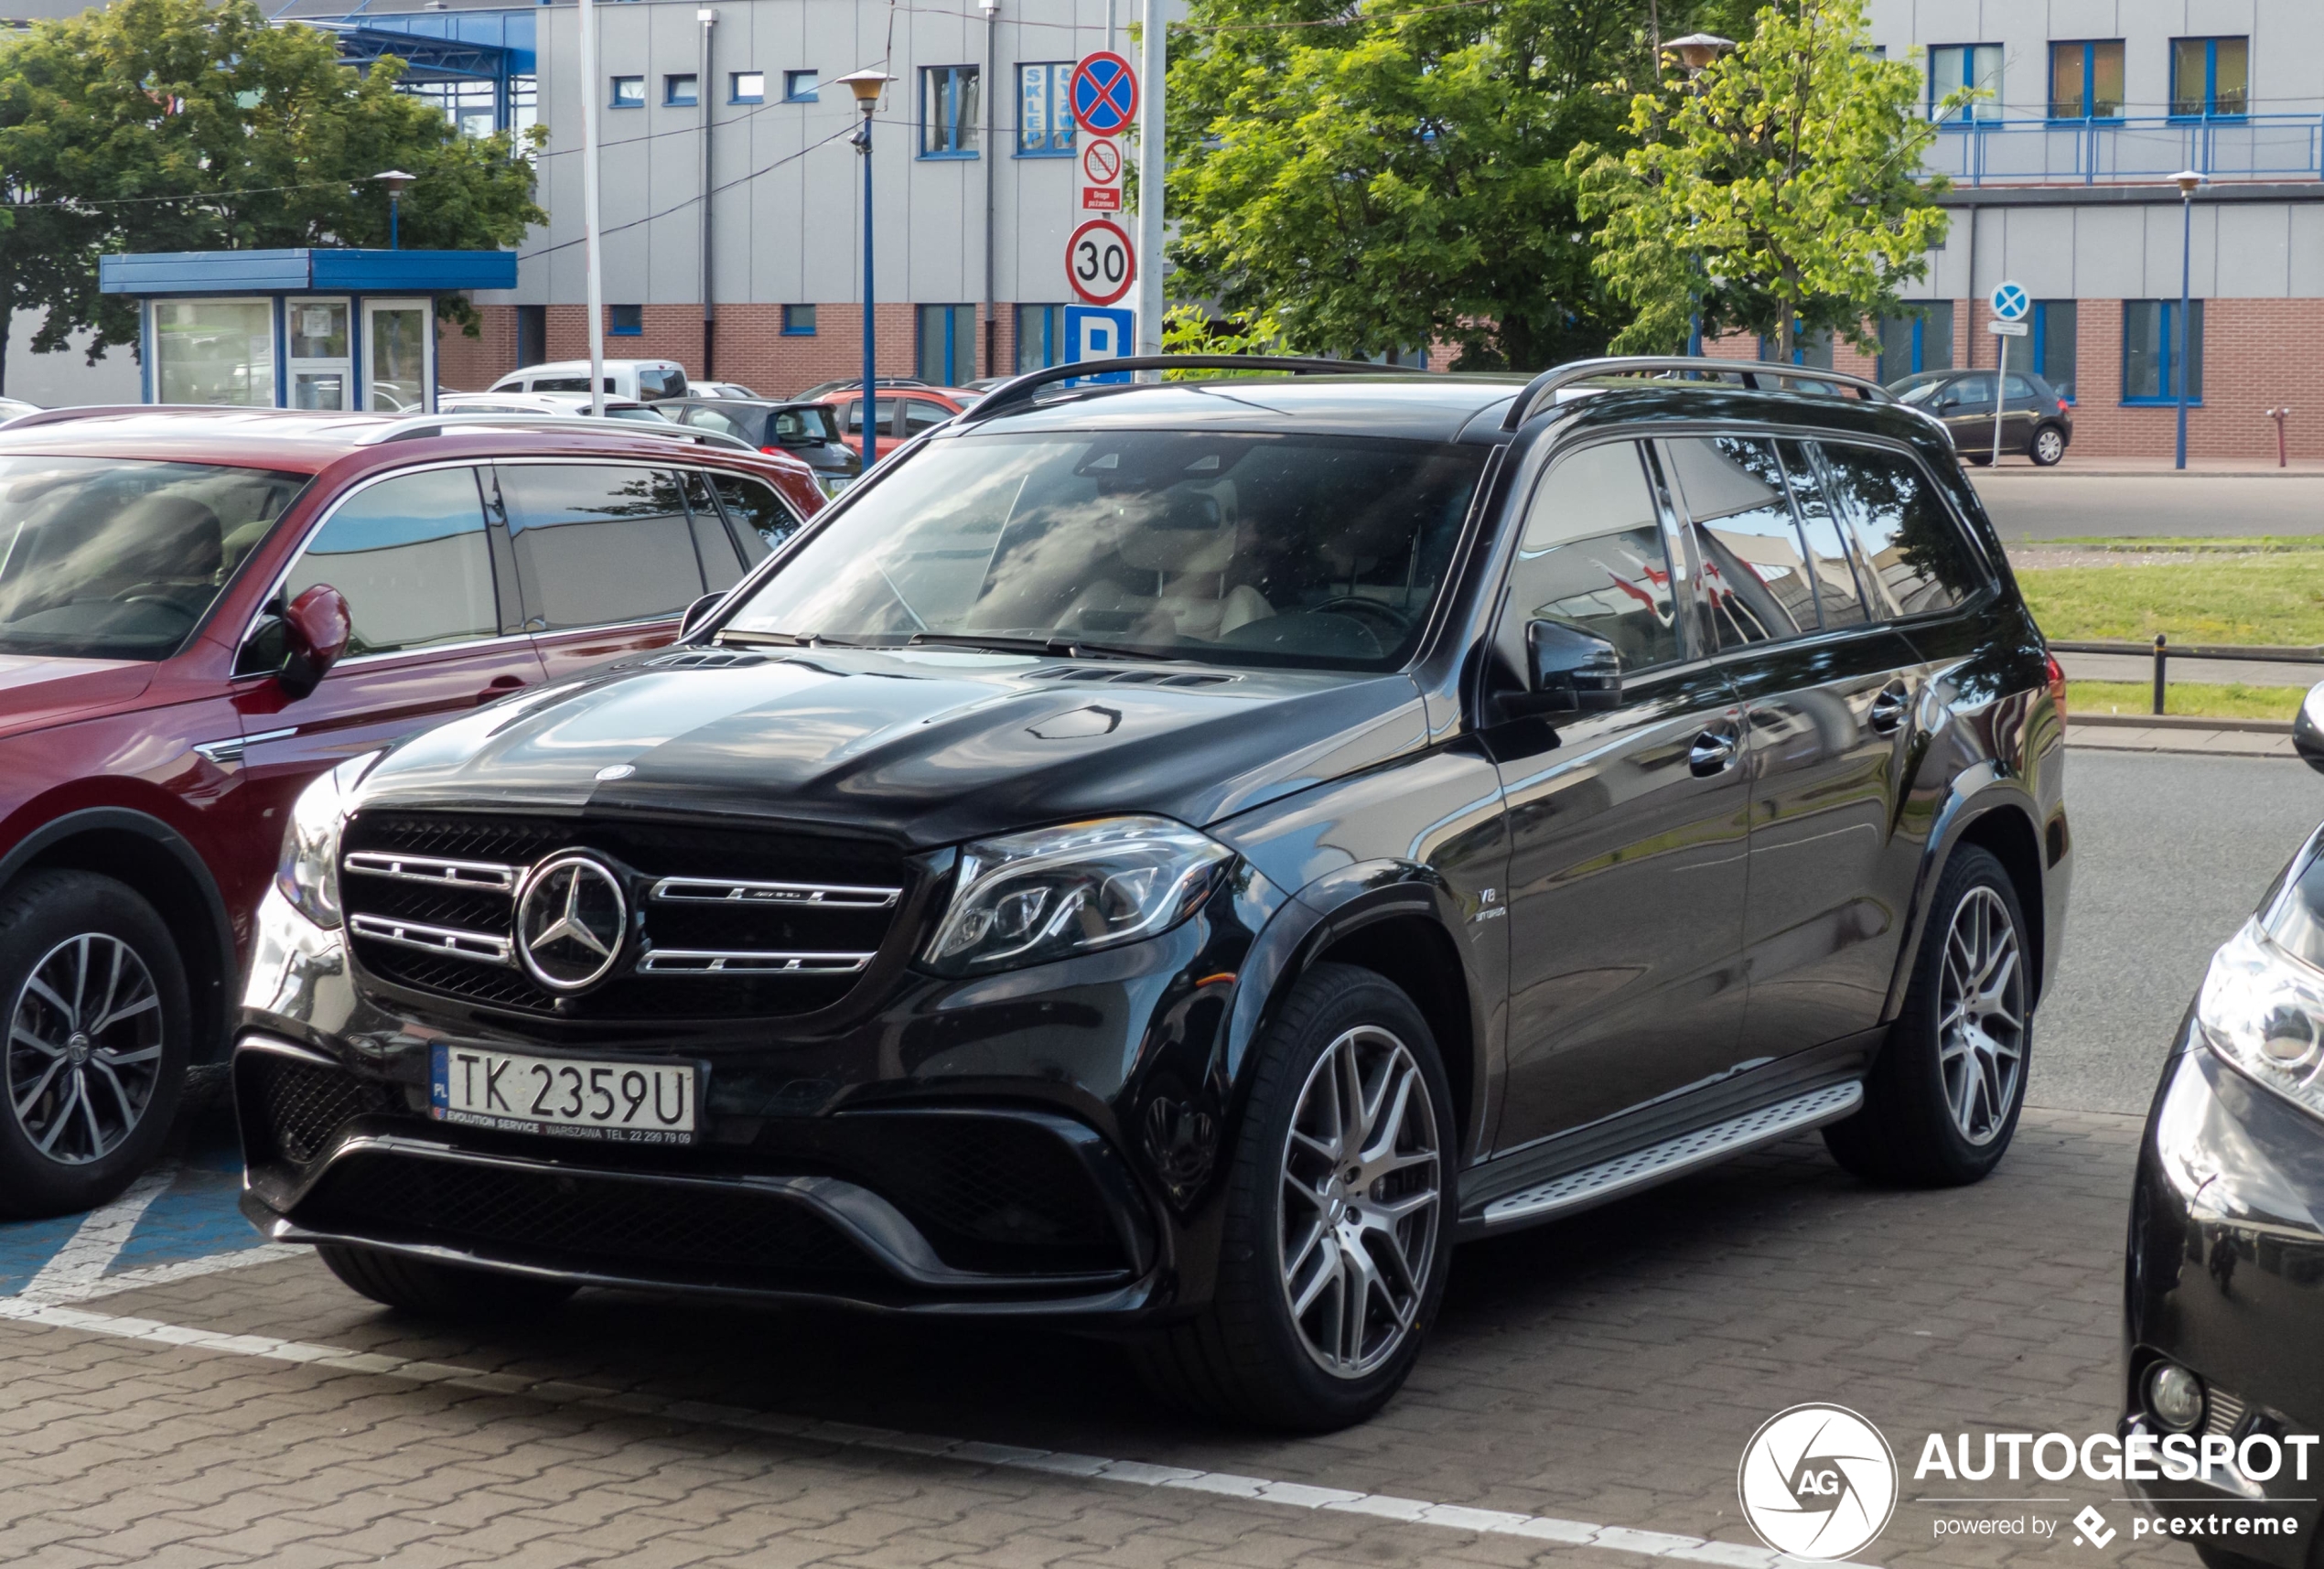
1697 49
2187 180
867 85
396 180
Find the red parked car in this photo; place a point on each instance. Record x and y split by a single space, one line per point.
201 609
903 411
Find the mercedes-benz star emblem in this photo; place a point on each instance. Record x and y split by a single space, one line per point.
570 920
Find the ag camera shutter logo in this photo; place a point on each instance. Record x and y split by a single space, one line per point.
1817 1481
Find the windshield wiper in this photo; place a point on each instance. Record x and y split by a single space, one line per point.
787 640
1053 648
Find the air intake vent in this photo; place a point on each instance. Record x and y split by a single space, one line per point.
708 658
1108 676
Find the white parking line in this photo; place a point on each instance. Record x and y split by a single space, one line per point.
1090 1467
75 1270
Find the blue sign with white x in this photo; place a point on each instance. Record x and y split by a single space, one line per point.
2010 302
1104 94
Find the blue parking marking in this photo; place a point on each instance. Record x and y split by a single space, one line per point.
26 1245
195 1217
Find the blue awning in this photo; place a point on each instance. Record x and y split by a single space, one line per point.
304 270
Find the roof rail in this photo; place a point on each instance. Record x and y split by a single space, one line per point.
1750 372
412 427
1011 393
93 410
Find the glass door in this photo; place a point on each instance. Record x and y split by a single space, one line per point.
320 364
399 351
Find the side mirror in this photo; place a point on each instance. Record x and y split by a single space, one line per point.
1571 671
315 629
2308 730
698 612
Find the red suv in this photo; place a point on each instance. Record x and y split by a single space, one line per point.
202 609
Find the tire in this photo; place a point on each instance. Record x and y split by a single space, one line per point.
99 1026
427 1289
1940 1104
1246 1357
2049 445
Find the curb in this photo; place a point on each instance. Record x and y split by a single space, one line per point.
2177 722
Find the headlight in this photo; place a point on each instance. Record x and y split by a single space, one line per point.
1056 891
307 873
2262 1011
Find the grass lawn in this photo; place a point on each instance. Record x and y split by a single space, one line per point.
2211 599
2232 700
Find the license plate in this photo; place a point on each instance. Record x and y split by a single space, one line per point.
617 1101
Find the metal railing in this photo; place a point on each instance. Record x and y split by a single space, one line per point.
2164 652
2134 148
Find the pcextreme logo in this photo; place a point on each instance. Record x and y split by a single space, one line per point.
1817 1481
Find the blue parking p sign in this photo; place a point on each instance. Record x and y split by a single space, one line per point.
1095 332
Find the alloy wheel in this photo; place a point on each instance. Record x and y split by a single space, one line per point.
1980 1012
84 1049
1362 1184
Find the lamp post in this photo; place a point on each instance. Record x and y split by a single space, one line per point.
592 229
2187 180
395 180
1696 52
867 85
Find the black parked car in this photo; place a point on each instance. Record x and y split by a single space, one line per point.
2037 424
1171 860
2226 1279
809 431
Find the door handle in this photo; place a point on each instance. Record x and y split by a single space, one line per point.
498 686
1889 708
1713 753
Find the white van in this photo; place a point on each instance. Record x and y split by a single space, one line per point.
644 380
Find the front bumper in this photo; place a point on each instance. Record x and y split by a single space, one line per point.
2226 1278
1036 1143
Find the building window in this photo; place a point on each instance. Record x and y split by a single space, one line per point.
681 92
2151 351
2056 325
2086 80
2210 78
947 345
629 93
747 86
950 99
1040 337
799 86
624 320
1044 111
1921 339
798 322
1813 349
532 333
1955 66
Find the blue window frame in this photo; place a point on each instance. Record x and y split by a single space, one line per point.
1044 113
1921 339
947 344
799 86
629 93
2151 351
682 90
745 87
2086 80
2056 340
2210 78
798 322
624 321
950 98
1955 66
1040 337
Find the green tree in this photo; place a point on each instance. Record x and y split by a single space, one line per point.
1375 177
184 126
1775 191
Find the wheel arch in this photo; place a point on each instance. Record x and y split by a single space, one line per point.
120 843
1993 811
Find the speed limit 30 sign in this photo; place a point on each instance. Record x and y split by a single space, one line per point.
1098 262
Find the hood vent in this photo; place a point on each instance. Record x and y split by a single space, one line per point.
706 659
1133 676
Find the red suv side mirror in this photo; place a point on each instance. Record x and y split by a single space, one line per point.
315 627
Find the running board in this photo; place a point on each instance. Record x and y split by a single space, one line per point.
1673 1158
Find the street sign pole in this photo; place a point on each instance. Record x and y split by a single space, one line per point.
1153 62
2010 304
592 259
2000 398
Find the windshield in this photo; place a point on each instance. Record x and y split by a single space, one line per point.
1231 549
106 559
1921 394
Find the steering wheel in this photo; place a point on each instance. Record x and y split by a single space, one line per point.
1356 608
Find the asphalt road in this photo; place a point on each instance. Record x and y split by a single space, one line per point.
2048 504
2171 853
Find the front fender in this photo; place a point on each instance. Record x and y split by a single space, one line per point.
1972 795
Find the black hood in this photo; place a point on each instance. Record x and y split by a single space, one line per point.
925 747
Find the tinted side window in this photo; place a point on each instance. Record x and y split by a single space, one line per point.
597 545
409 554
1836 594
1755 570
1903 530
721 565
920 413
718 420
762 520
2019 388
1975 391
657 381
1593 557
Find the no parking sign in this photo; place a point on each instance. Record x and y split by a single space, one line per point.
1103 94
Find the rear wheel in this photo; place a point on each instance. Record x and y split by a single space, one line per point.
1941 1103
2048 447
427 1289
1338 1231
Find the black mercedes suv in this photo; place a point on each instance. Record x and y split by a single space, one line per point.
1172 858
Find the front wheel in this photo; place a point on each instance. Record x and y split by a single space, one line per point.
1942 1102
2048 447
1338 1231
